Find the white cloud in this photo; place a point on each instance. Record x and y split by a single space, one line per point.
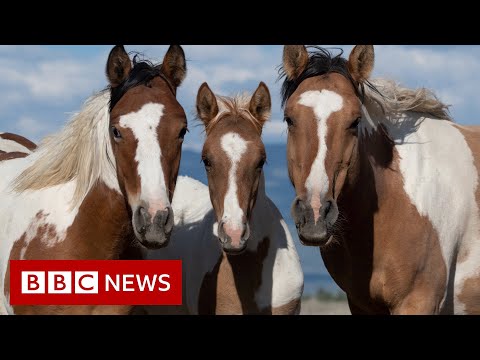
31 128
58 79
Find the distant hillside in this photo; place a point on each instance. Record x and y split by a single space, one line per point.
280 190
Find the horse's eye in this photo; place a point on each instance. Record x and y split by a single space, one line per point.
182 133
207 164
288 121
354 125
116 133
260 164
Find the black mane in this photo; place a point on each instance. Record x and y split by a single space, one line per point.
141 74
321 61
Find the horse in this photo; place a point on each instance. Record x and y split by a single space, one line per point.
102 184
237 252
386 185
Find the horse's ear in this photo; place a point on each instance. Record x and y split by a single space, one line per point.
207 107
360 62
295 60
118 66
174 65
261 103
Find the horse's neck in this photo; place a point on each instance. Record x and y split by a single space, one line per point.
102 226
261 214
371 178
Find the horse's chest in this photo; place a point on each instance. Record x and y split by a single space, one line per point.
233 284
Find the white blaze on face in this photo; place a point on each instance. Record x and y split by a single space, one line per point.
323 104
144 124
234 147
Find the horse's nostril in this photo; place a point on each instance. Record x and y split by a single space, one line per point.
328 206
298 203
143 214
141 220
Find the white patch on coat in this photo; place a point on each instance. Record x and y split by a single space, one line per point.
18 211
440 179
323 104
144 124
281 267
234 147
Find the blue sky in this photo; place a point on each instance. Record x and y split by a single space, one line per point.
41 85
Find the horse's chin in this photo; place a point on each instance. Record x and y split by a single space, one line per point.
153 245
234 252
146 244
318 242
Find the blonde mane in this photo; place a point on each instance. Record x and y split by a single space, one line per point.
81 151
236 105
395 99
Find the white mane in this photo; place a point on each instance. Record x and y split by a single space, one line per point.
392 100
80 151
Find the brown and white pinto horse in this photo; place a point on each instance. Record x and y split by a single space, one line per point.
238 254
102 183
386 185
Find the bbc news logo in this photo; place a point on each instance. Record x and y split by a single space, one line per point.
95 282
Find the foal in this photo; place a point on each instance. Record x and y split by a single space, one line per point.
238 254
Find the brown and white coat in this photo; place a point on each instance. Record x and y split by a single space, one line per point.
388 188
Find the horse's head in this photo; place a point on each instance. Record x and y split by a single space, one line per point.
233 155
322 111
147 126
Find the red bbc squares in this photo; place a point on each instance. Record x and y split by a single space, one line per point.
60 282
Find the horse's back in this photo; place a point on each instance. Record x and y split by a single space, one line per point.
13 143
191 201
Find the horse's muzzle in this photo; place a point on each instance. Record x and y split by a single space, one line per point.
233 239
153 234
311 231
